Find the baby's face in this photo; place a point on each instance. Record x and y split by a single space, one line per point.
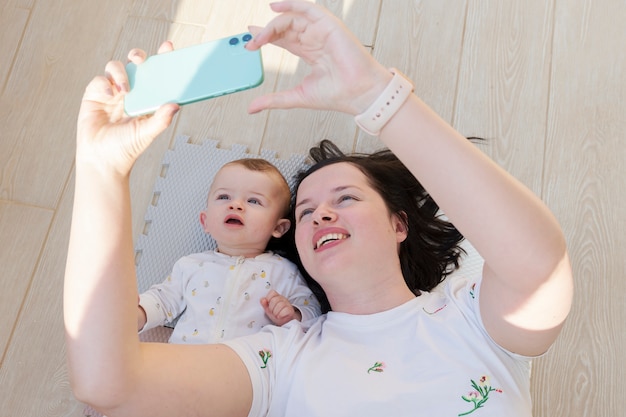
243 210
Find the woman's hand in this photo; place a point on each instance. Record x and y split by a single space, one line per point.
343 77
108 139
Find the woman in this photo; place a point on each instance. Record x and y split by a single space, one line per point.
461 349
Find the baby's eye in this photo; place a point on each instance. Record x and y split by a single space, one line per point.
254 201
223 197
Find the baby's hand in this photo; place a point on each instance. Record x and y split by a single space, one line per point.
279 309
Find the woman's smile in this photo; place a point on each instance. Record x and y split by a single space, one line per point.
324 239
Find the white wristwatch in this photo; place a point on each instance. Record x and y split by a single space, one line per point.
386 105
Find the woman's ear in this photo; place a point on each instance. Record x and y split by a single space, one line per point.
281 227
400 221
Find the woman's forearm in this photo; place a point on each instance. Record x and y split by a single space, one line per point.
100 300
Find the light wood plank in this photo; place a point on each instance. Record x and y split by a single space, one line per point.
13 19
585 175
155 9
37 382
503 83
43 92
360 16
423 39
23 230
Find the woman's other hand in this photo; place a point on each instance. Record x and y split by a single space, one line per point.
343 77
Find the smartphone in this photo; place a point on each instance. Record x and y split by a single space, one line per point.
191 74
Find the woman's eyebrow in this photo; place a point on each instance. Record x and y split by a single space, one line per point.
334 190
305 201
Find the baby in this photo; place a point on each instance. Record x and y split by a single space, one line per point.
239 287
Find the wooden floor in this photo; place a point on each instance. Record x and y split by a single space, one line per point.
543 80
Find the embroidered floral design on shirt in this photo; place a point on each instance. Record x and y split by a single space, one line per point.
378 367
265 356
431 313
479 396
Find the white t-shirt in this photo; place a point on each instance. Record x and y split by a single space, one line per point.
428 357
218 296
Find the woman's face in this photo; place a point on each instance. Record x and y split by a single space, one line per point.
344 228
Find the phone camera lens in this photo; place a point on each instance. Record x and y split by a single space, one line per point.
233 41
246 37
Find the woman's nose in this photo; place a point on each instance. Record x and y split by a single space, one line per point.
323 215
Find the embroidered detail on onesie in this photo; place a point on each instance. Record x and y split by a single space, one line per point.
472 289
479 395
265 356
378 367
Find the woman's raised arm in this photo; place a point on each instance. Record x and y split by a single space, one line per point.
108 367
527 287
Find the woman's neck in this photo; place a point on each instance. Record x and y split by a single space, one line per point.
377 298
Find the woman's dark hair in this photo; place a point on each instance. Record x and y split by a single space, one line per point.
431 250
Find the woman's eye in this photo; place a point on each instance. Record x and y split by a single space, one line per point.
304 213
346 198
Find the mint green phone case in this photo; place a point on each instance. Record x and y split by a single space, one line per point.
187 75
